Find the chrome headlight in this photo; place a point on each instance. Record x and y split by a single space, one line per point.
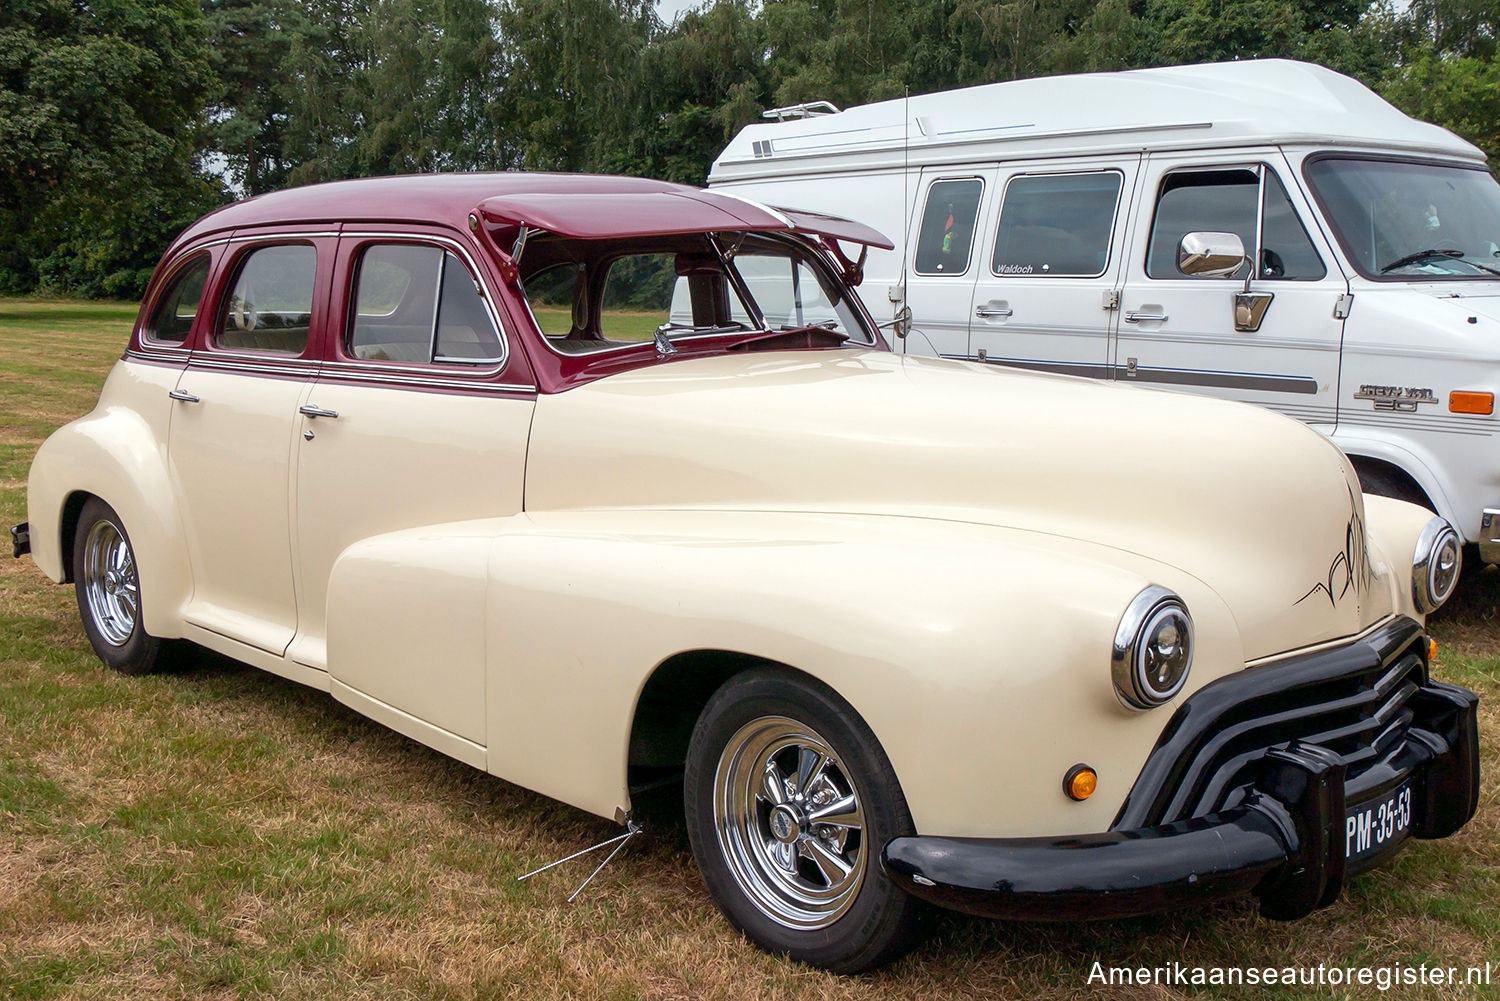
1435 566
1153 649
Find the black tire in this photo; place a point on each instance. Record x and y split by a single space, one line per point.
108 592
861 919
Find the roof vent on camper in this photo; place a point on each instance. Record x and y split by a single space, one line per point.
806 109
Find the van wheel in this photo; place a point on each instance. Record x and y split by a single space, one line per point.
789 801
109 592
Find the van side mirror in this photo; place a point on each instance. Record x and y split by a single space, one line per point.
1210 255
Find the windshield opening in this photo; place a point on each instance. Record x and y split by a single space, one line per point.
1399 220
589 296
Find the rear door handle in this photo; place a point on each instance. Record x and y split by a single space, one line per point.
312 411
986 312
183 395
1135 316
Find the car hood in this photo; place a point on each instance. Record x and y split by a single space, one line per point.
1261 509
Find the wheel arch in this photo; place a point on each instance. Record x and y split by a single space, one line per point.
119 458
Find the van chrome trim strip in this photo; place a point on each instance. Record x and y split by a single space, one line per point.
1100 371
1225 380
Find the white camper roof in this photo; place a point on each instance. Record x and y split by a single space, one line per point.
1178 107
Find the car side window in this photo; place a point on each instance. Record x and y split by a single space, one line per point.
1057 226
270 307
416 303
947 231
1227 201
637 296
555 297
177 308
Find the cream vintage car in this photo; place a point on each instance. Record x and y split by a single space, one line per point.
908 630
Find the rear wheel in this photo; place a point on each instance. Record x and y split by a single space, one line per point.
109 591
789 801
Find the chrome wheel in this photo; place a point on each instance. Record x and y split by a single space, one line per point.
789 823
110 585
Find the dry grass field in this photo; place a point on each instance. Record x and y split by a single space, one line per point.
221 833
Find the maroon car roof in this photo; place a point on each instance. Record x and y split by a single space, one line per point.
579 205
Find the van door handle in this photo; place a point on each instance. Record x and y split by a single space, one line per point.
183 395
985 312
1135 316
312 411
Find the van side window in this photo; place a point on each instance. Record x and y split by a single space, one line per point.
172 320
1057 226
1288 254
948 226
417 303
1193 201
270 309
1225 201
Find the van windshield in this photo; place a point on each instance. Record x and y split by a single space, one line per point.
1402 221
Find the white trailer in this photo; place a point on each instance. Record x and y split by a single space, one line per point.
1268 231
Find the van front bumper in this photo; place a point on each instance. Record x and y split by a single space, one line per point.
1489 536
1289 834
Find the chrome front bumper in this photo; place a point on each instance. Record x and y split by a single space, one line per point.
1489 536
1255 787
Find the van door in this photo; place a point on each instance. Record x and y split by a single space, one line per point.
1049 277
1272 340
943 258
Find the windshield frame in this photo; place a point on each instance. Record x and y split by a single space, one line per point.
866 337
1336 228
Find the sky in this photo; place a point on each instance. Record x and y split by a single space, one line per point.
669 9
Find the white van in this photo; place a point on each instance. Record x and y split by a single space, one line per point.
1268 231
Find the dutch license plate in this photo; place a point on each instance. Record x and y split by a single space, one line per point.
1374 825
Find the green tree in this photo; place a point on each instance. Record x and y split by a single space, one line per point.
99 111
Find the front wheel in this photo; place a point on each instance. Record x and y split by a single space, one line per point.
789 801
109 591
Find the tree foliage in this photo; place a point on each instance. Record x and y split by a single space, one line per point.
121 120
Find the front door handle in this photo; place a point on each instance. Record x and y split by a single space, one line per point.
1135 316
312 411
986 312
183 395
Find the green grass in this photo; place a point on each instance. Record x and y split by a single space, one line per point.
222 833
617 324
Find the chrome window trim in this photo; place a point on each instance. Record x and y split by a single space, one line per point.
183 262
1114 219
494 365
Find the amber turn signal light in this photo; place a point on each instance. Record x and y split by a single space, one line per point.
1466 402
1080 782
1432 649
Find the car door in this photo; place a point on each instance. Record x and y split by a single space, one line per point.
1049 280
943 259
1272 339
231 434
420 416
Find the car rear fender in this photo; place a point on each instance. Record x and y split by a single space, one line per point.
119 454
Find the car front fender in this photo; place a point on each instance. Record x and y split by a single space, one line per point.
980 657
